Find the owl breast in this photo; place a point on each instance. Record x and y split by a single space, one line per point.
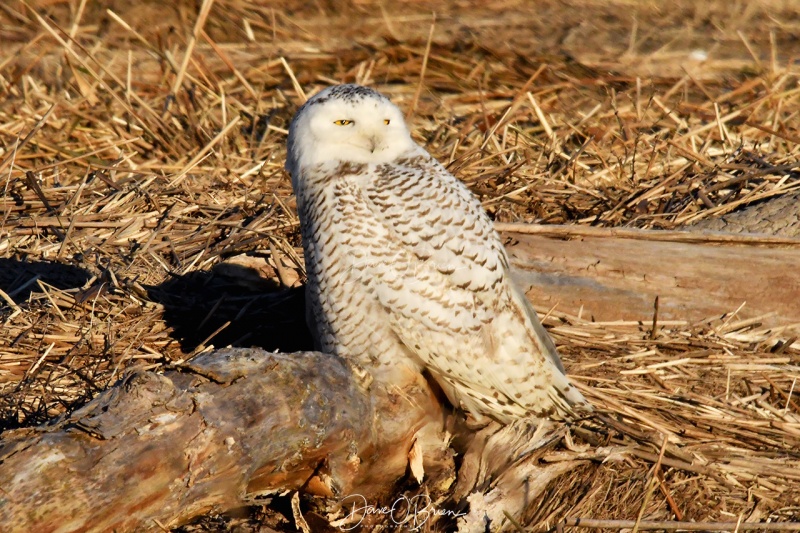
344 247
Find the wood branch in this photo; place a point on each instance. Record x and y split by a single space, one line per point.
613 277
157 450
669 525
502 473
686 236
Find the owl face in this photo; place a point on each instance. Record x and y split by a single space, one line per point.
346 123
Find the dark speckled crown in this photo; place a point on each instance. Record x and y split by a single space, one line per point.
348 93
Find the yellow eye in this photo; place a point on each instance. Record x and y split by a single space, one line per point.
387 121
343 122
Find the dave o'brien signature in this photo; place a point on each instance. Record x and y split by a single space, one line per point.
410 512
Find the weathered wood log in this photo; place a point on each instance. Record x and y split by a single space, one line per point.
157 450
610 277
778 216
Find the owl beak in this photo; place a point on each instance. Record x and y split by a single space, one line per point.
374 143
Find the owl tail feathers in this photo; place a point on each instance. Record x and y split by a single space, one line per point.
568 402
479 400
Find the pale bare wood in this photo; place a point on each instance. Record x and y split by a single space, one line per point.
235 424
618 278
669 525
685 236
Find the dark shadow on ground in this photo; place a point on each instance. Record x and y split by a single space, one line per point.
19 278
208 308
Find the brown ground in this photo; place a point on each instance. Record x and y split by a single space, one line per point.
120 204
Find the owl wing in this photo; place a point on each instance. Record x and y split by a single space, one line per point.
479 332
436 218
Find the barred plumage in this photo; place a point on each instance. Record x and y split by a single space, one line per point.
405 268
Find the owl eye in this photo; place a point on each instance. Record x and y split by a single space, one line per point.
343 122
387 121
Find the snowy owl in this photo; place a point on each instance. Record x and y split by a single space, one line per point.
405 269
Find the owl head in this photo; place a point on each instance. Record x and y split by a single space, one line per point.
346 123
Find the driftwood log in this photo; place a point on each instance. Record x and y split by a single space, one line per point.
778 216
616 274
232 425
159 449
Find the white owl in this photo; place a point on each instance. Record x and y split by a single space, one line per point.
405 268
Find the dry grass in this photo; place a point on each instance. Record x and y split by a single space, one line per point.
122 195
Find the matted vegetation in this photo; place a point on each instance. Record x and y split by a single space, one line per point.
141 164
